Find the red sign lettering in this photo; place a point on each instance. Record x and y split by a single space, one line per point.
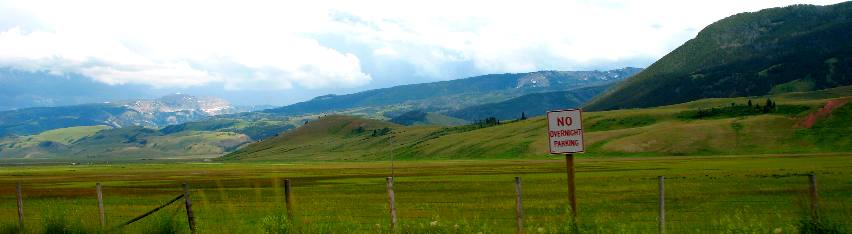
563 121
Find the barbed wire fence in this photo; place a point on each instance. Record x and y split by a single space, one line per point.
752 207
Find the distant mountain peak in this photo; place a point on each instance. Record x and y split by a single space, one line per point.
181 102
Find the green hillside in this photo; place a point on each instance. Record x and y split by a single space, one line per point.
795 48
256 129
69 135
130 143
530 105
721 126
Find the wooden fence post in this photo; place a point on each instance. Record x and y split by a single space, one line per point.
189 215
101 205
391 201
662 218
519 207
20 206
814 197
287 200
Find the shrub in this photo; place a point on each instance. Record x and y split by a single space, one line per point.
59 224
813 226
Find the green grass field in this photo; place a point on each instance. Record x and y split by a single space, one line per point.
732 194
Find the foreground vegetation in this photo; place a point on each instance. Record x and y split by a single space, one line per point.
735 194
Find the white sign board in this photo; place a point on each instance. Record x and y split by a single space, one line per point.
565 131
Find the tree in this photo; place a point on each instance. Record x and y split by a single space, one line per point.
381 132
358 130
768 106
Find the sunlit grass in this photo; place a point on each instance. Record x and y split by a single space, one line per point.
704 195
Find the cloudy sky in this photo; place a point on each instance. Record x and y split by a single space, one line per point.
279 52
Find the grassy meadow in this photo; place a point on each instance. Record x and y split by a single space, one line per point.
715 194
661 131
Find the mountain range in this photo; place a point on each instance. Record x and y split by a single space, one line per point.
454 94
160 112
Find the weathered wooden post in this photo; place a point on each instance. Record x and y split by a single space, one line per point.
101 205
189 215
662 218
391 201
287 200
814 197
20 206
572 199
519 207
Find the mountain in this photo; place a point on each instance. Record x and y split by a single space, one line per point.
794 48
171 109
530 105
455 94
719 126
181 102
177 108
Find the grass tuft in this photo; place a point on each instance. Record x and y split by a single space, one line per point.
60 224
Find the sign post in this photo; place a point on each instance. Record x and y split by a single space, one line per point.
565 136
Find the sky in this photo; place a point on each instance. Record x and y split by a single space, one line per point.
281 52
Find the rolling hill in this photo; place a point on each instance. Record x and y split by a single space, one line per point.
794 48
719 126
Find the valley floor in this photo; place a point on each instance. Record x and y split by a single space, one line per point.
708 194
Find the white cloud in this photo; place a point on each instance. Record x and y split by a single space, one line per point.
518 36
275 44
164 44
